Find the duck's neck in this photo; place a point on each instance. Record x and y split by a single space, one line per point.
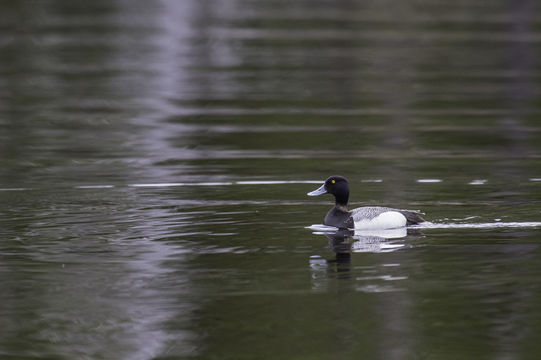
341 200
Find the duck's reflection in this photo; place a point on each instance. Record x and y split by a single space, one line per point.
344 242
347 241
340 244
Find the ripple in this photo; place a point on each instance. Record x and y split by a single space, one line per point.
228 183
240 182
378 289
491 225
274 182
477 182
181 184
429 180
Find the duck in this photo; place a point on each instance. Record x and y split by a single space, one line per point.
366 217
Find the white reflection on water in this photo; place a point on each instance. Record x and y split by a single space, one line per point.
488 225
362 240
380 278
240 182
321 229
478 182
429 180
182 184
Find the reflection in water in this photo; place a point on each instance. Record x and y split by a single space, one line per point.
85 274
341 246
367 278
95 286
344 242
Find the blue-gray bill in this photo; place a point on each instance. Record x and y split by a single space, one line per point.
320 191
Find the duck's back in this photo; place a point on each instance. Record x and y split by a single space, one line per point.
370 213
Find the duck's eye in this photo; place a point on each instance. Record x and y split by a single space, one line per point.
333 181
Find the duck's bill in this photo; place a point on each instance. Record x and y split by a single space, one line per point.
319 191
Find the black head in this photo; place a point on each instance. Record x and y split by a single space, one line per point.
337 186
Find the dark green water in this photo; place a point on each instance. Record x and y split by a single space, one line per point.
155 158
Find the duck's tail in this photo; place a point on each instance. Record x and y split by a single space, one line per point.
413 217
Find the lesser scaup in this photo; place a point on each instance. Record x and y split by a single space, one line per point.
368 217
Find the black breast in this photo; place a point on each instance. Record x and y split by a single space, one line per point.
340 219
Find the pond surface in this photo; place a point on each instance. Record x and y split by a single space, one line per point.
155 160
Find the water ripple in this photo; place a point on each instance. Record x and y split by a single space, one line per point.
488 225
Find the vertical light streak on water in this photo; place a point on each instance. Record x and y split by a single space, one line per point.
161 293
158 294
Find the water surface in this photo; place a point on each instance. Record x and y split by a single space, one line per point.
155 158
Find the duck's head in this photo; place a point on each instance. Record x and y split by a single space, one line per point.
337 186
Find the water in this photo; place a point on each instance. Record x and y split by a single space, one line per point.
155 160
